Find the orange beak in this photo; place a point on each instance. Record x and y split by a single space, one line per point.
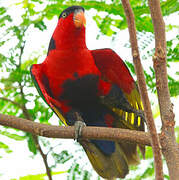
79 19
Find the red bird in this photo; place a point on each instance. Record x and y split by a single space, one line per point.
94 86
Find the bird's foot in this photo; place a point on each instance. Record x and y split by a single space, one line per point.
78 129
79 124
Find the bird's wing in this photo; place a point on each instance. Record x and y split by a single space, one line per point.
125 91
114 70
42 85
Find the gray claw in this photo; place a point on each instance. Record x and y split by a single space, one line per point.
78 129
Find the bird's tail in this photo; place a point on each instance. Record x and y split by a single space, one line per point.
114 165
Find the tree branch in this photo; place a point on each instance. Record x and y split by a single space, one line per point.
52 131
171 151
143 90
44 156
23 42
68 132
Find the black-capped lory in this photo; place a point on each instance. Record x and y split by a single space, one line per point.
94 86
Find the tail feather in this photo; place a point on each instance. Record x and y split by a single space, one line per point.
130 152
107 166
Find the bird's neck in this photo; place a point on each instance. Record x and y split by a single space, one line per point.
69 38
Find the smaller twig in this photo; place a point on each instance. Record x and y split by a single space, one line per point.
11 101
44 157
51 148
23 43
35 138
26 113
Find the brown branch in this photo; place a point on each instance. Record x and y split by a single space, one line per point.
68 132
143 90
171 151
52 131
44 157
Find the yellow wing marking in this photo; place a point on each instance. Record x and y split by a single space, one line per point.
136 104
130 118
139 121
135 101
60 116
126 115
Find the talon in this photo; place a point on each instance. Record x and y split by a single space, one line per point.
78 129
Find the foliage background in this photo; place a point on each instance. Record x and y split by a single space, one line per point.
26 27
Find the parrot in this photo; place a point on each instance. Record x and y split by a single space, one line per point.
90 88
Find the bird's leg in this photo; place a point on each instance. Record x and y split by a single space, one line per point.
79 124
78 129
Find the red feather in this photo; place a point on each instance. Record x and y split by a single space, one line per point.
113 69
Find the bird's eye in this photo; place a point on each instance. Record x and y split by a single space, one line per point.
64 15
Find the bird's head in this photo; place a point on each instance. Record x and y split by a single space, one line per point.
72 17
70 30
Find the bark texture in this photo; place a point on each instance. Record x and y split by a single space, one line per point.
169 145
68 132
143 91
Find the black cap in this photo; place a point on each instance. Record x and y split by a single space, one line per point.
71 9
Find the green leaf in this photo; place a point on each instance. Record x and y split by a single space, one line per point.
39 1
31 144
5 147
2 59
86 175
40 25
61 158
130 66
149 153
4 20
156 111
12 136
2 10
166 177
173 86
170 6
39 176
177 131
149 172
